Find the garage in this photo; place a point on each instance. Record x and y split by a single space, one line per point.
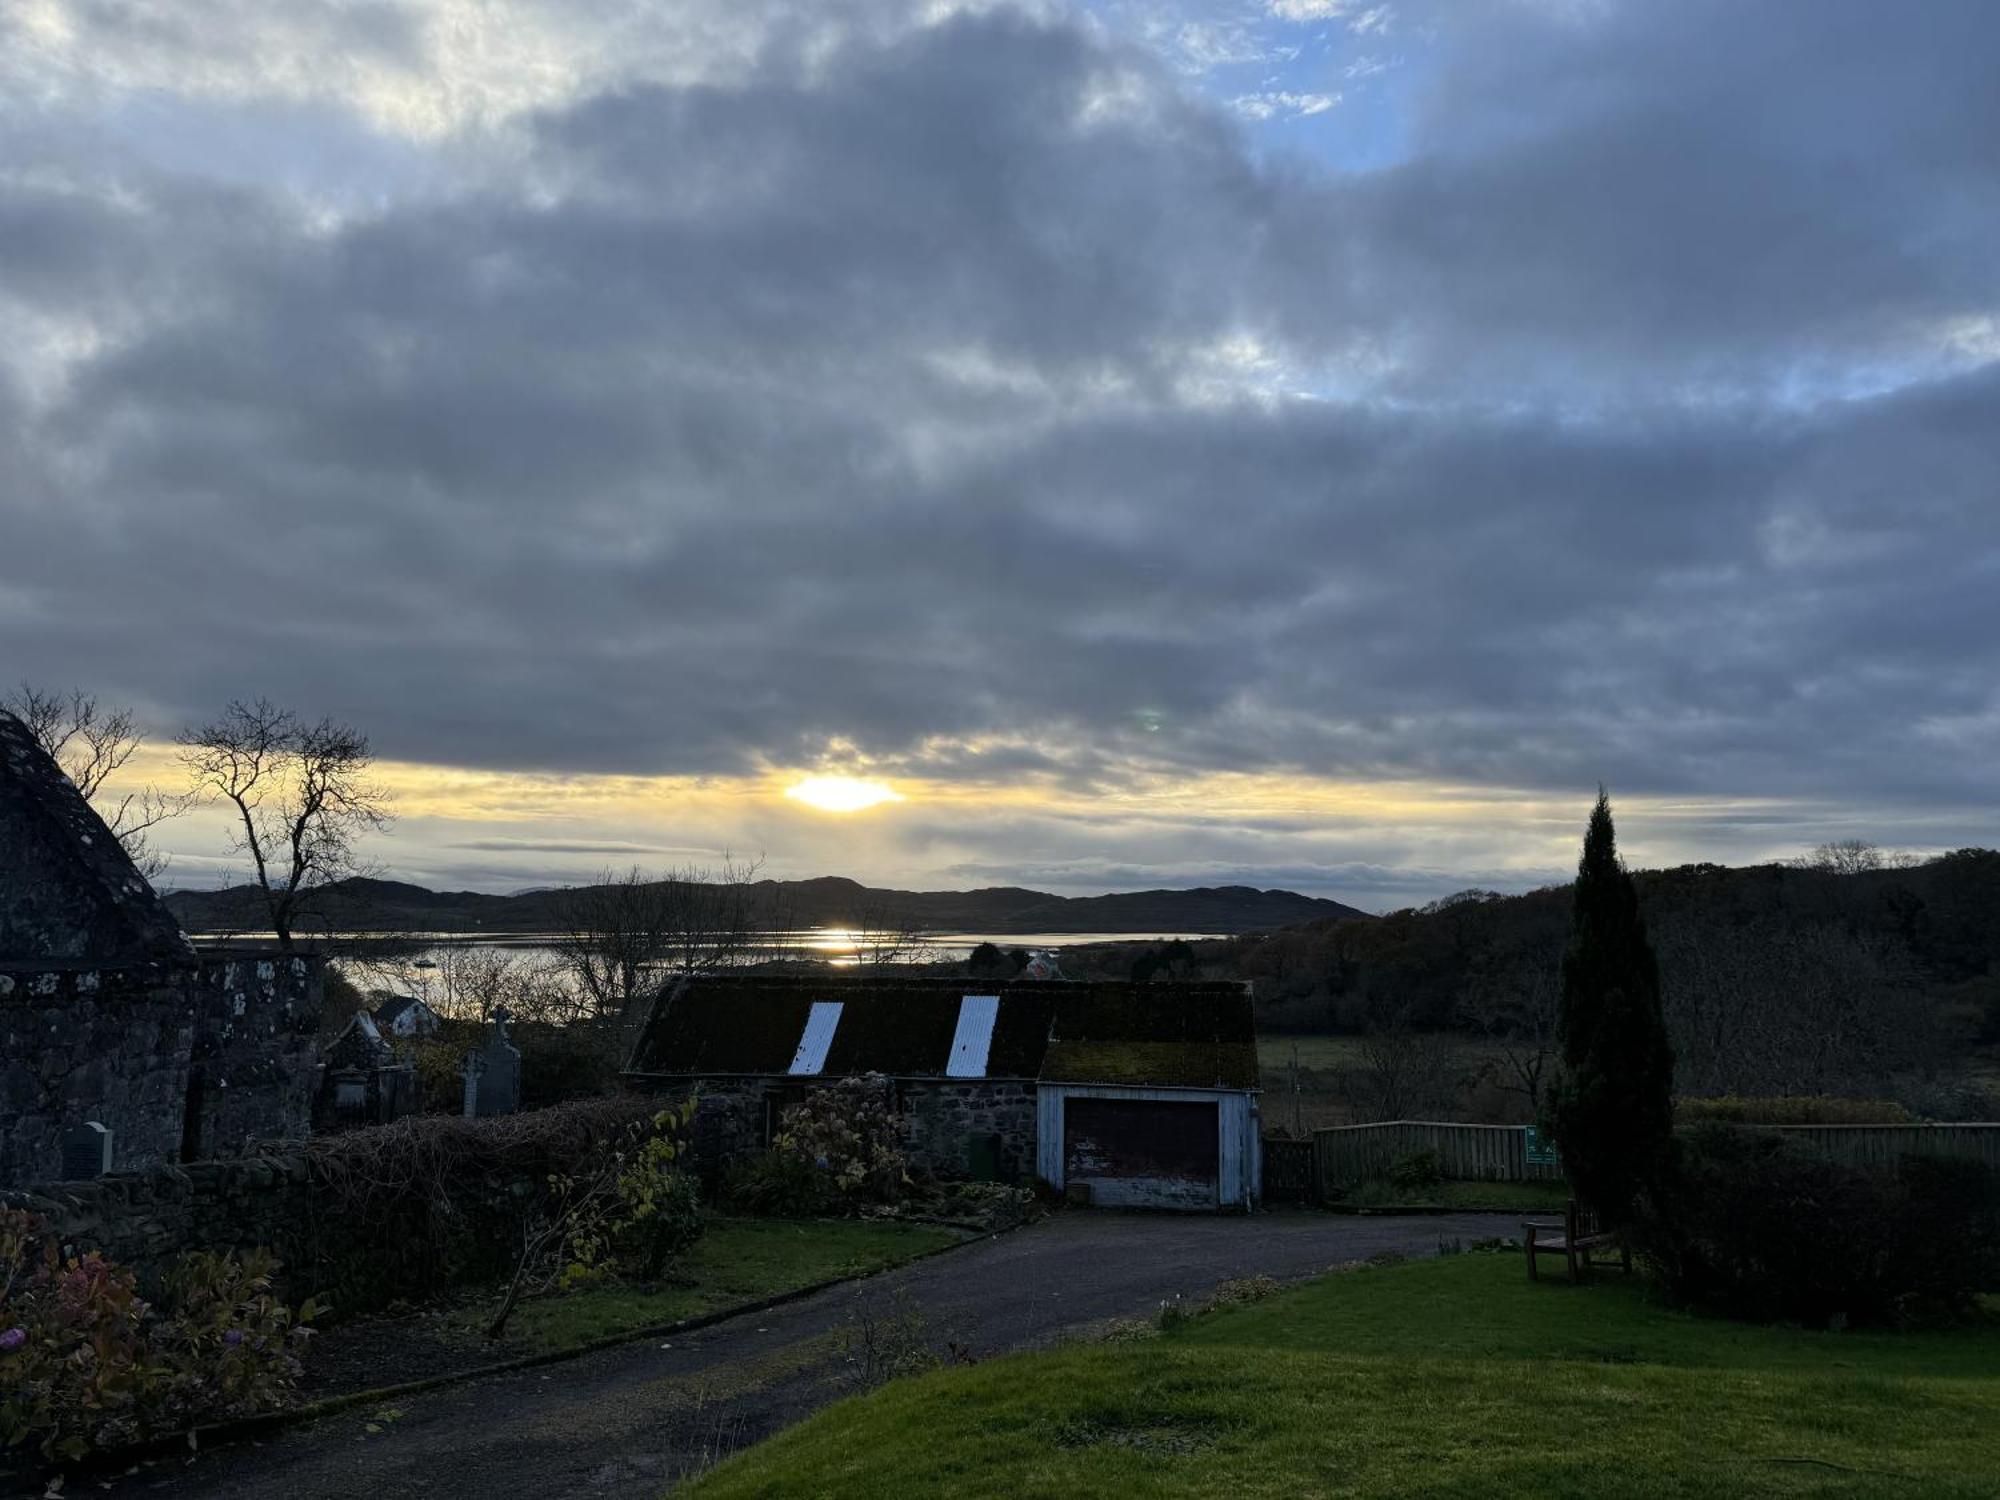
1144 1153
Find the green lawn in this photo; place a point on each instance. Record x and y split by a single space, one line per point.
1451 1377
736 1261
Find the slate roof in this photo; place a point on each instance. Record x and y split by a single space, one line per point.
67 888
1153 1035
390 1010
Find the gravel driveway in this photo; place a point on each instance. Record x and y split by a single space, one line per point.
624 1422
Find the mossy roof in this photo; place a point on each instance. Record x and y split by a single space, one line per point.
1158 1035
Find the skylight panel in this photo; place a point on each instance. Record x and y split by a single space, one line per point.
974 1037
817 1037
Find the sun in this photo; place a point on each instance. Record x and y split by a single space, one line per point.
842 794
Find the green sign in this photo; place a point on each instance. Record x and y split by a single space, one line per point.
1541 1150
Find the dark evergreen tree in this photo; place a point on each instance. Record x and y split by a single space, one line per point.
985 959
1611 1110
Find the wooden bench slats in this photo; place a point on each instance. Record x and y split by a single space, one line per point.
1573 1239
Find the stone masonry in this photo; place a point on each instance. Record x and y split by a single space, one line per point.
107 1012
940 1120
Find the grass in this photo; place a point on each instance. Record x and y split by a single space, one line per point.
1446 1377
735 1261
1321 1053
1523 1197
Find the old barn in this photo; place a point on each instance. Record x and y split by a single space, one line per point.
1134 1095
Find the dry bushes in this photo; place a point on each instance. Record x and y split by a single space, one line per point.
402 1209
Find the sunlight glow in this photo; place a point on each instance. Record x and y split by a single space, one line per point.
841 794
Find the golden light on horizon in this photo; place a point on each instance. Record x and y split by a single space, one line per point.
842 794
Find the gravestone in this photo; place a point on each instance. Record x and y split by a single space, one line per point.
493 1072
86 1152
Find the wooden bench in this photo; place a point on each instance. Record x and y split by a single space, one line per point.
1575 1237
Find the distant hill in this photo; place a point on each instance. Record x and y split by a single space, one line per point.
394 906
1775 979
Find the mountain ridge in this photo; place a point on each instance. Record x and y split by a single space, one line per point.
364 904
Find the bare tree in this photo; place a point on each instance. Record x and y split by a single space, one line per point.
472 981
92 744
621 936
301 796
1514 1004
885 934
1777 1007
1405 1070
1844 857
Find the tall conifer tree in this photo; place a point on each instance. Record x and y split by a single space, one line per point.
1611 1110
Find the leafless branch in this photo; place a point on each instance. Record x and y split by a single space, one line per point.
301 797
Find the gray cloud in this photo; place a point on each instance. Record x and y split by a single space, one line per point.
978 379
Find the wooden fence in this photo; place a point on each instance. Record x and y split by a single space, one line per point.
1347 1154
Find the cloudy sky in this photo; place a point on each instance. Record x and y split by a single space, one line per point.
1297 442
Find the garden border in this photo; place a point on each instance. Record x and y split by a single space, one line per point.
222 1434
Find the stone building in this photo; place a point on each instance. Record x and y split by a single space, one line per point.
1139 1095
109 1014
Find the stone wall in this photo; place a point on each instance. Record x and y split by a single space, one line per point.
940 1120
944 1118
181 1058
147 1220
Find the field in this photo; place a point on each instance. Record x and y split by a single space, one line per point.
1334 1089
1454 1376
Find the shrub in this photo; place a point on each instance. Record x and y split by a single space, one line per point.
849 1133
1418 1169
780 1185
231 1345
86 1365
76 1373
630 1209
837 1151
659 1210
1964 1100
431 1201
1756 1226
1802 1109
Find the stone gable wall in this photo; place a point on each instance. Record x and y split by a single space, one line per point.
67 889
227 1036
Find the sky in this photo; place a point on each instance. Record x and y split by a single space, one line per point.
1301 443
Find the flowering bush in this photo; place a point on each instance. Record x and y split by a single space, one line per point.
231 1345
87 1364
849 1131
76 1370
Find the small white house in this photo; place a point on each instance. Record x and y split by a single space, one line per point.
406 1015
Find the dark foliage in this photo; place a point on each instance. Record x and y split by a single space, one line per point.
430 1201
1418 1169
1754 1226
1611 1110
1895 945
779 1185
987 959
87 1365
